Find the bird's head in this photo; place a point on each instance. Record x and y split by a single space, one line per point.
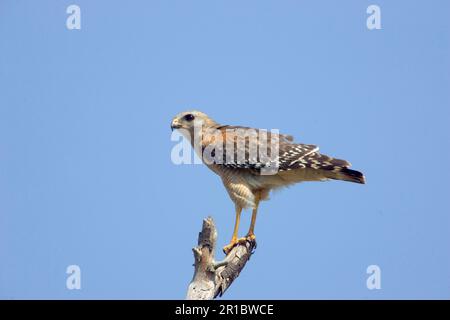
189 119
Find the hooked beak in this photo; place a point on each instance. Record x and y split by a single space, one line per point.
175 124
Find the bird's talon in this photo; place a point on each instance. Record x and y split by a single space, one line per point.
233 243
242 240
228 247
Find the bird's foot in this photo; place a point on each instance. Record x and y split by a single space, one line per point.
228 247
251 237
235 242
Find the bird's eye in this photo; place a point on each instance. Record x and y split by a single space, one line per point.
189 117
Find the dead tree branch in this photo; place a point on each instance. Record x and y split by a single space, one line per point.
212 278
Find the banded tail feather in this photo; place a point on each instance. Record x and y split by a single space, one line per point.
329 167
345 174
338 169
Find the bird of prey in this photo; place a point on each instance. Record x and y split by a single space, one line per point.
249 176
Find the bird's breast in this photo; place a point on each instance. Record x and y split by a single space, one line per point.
238 183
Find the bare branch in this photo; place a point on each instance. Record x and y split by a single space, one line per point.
211 278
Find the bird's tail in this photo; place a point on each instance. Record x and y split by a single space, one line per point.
345 174
336 169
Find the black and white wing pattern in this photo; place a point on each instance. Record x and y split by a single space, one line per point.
286 156
301 156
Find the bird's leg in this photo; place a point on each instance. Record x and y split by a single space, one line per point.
251 232
234 239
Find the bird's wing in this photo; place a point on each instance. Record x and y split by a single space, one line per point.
295 155
300 156
234 147
326 167
240 149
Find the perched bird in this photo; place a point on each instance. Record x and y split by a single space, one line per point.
248 177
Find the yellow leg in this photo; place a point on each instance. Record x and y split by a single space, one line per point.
234 238
236 224
251 231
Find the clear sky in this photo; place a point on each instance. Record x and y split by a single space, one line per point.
86 176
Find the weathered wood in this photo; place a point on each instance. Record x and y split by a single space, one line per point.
211 278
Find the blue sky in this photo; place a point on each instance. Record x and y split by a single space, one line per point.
85 171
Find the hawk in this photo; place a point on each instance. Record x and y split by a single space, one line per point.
234 153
